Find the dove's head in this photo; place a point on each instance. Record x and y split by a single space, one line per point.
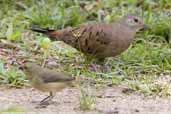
133 22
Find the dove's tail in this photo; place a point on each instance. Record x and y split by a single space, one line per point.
51 33
57 35
42 30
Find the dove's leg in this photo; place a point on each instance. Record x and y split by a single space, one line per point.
99 66
96 65
104 67
89 60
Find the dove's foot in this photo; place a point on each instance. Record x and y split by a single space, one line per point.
95 68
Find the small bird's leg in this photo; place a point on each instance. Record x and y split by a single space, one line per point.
48 98
45 99
45 102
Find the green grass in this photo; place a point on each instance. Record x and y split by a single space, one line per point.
86 99
138 67
13 109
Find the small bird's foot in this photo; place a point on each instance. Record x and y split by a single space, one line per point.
43 104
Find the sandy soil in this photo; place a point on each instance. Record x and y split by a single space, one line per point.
111 101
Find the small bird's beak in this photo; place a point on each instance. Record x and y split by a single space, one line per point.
22 67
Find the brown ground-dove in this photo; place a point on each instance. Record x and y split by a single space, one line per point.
100 40
47 80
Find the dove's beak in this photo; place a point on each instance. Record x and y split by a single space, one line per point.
146 27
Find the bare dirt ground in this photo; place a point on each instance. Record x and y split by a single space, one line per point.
112 101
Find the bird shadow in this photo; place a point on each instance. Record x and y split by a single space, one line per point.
38 105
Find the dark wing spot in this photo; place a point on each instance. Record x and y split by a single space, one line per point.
86 42
76 41
97 40
90 35
90 27
90 31
84 31
97 33
76 44
88 48
105 43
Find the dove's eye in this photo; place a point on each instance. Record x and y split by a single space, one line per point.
132 21
136 20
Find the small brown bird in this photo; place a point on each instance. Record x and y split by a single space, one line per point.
47 80
100 40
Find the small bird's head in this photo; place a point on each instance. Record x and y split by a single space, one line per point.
28 66
133 22
29 69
